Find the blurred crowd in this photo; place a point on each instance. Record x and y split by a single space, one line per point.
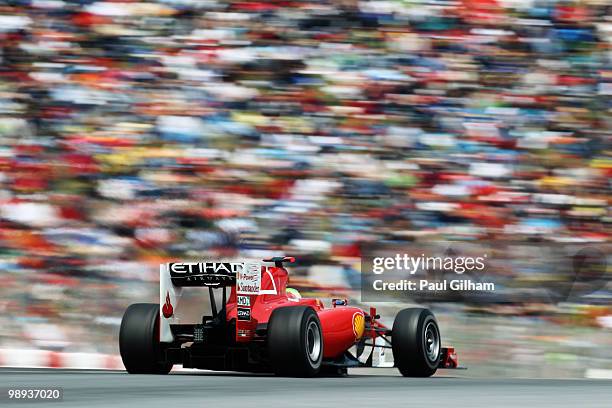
132 133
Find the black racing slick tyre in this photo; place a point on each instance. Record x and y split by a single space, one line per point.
295 341
139 344
416 342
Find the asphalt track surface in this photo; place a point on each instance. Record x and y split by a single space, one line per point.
362 388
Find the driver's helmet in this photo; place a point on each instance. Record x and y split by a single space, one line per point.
293 293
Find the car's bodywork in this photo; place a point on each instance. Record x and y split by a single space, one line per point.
234 336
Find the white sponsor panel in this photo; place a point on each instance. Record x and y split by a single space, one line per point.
244 300
248 280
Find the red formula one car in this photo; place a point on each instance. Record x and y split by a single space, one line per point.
261 326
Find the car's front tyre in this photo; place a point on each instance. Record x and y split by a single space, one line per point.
139 345
416 342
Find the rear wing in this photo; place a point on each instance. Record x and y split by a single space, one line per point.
245 276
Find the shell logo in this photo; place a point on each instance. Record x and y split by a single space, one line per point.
358 325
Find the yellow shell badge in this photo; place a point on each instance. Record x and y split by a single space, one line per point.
358 325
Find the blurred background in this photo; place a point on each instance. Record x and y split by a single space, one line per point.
135 133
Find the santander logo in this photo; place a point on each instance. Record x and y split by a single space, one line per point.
167 308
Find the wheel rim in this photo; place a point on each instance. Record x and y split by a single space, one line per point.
432 341
313 341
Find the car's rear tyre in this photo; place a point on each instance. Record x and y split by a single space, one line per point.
295 341
139 344
416 342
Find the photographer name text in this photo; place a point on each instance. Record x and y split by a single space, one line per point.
437 286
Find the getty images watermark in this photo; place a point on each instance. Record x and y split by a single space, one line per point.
408 265
483 272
